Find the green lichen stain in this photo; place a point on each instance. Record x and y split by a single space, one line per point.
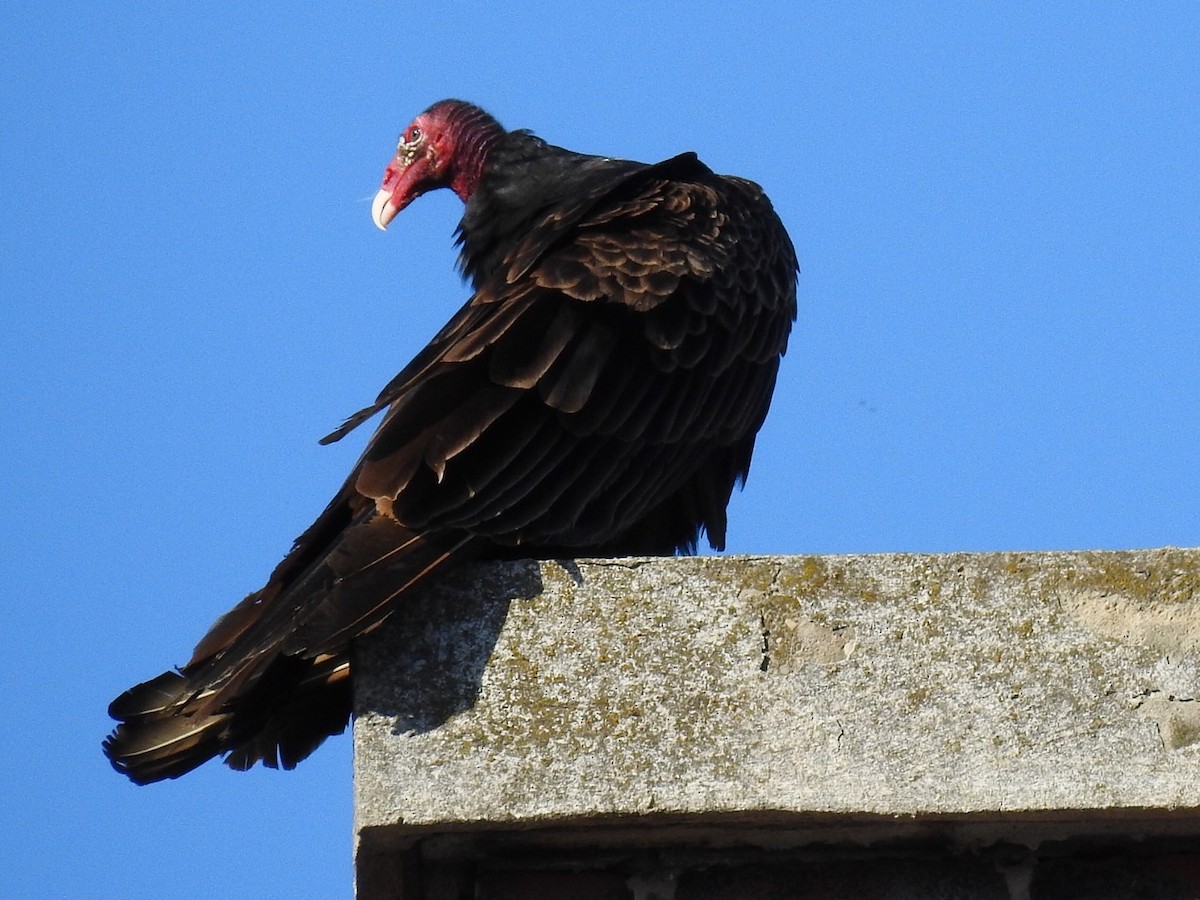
804 607
1149 599
1168 576
917 697
1017 564
816 575
1179 732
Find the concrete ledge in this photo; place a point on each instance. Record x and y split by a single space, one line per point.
785 701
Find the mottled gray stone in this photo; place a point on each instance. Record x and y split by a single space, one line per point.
971 687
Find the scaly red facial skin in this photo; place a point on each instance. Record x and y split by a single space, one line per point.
419 165
445 146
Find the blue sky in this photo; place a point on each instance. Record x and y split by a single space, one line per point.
996 207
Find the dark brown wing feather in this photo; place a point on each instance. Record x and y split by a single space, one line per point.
600 394
644 356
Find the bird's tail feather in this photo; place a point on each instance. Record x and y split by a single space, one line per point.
277 682
153 742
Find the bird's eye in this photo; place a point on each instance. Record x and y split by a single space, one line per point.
405 143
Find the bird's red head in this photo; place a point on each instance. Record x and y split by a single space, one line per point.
445 146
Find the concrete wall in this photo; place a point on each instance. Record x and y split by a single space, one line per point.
1008 725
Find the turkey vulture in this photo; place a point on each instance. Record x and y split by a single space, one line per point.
598 395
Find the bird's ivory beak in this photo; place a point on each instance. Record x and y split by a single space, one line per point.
383 210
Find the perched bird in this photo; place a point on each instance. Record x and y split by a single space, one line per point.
598 395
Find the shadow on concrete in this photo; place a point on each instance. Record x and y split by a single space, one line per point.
448 633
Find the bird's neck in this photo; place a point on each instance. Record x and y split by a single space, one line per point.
477 133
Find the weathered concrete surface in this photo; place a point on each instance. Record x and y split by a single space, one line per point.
815 691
